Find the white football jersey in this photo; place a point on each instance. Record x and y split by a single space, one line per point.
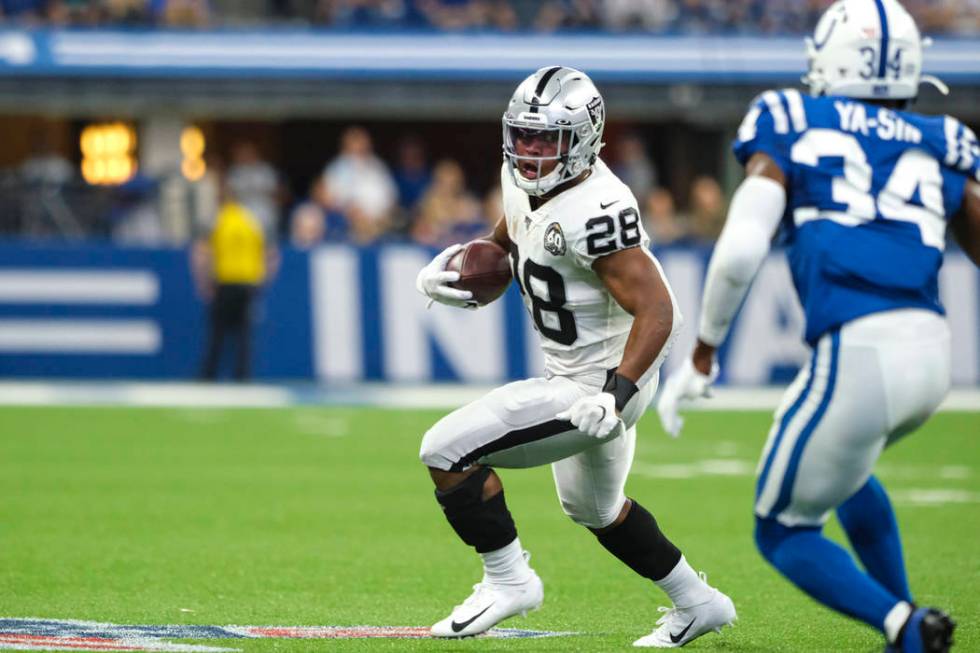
581 326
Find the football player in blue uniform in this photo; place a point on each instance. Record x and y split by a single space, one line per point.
863 191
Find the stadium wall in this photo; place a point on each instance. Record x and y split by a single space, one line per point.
342 314
318 54
317 73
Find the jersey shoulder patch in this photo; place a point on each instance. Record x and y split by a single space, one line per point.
771 125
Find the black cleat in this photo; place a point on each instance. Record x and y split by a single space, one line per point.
927 630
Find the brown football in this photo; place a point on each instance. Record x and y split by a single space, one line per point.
484 270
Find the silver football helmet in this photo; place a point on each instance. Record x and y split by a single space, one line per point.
560 108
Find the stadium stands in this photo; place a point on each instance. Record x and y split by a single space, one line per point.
662 16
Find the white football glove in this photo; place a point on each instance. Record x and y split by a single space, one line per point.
684 384
594 415
433 279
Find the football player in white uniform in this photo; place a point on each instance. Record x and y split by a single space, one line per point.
606 317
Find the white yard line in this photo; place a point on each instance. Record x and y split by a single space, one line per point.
381 395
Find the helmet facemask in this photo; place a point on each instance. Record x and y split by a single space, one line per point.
529 146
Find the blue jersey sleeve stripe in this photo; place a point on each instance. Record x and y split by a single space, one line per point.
950 128
883 60
967 146
961 161
747 130
779 121
796 112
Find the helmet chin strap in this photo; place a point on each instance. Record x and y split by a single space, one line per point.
935 82
817 86
932 80
537 189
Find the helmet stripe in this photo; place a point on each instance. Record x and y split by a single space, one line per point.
543 82
883 18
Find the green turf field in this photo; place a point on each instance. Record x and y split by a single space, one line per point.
324 516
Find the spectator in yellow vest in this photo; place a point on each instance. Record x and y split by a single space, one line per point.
230 266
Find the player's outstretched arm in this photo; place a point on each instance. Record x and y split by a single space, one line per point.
753 218
966 224
636 282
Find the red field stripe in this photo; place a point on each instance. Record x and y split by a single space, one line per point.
334 632
81 643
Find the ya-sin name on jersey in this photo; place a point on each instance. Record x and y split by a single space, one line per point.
582 327
870 190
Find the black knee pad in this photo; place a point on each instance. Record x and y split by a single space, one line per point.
484 525
639 543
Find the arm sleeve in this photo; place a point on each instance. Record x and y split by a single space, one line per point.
753 219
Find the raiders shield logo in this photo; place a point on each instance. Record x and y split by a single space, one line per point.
594 107
554 240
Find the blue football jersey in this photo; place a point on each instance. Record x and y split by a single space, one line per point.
870 191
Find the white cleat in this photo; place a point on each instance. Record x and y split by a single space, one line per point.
680 626
490 604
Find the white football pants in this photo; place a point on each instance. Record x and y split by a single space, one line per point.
868 383
514 426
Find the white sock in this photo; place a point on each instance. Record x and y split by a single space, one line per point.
506 566
684 587
895 619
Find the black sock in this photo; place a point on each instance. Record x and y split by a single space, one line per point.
640 545
484 525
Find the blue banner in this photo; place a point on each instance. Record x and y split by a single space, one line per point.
342 314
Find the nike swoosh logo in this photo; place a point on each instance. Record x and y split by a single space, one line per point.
606 206
460 626
818 45
676 638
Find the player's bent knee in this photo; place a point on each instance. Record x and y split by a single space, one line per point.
770 535
592 516
456 435
483 523
432 452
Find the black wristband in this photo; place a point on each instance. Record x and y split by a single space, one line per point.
621 388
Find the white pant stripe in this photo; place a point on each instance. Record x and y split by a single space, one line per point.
770 491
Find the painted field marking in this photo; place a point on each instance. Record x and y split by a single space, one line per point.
709 467
933 496
73 635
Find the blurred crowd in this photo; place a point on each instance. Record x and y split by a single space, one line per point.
357 198
663 16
